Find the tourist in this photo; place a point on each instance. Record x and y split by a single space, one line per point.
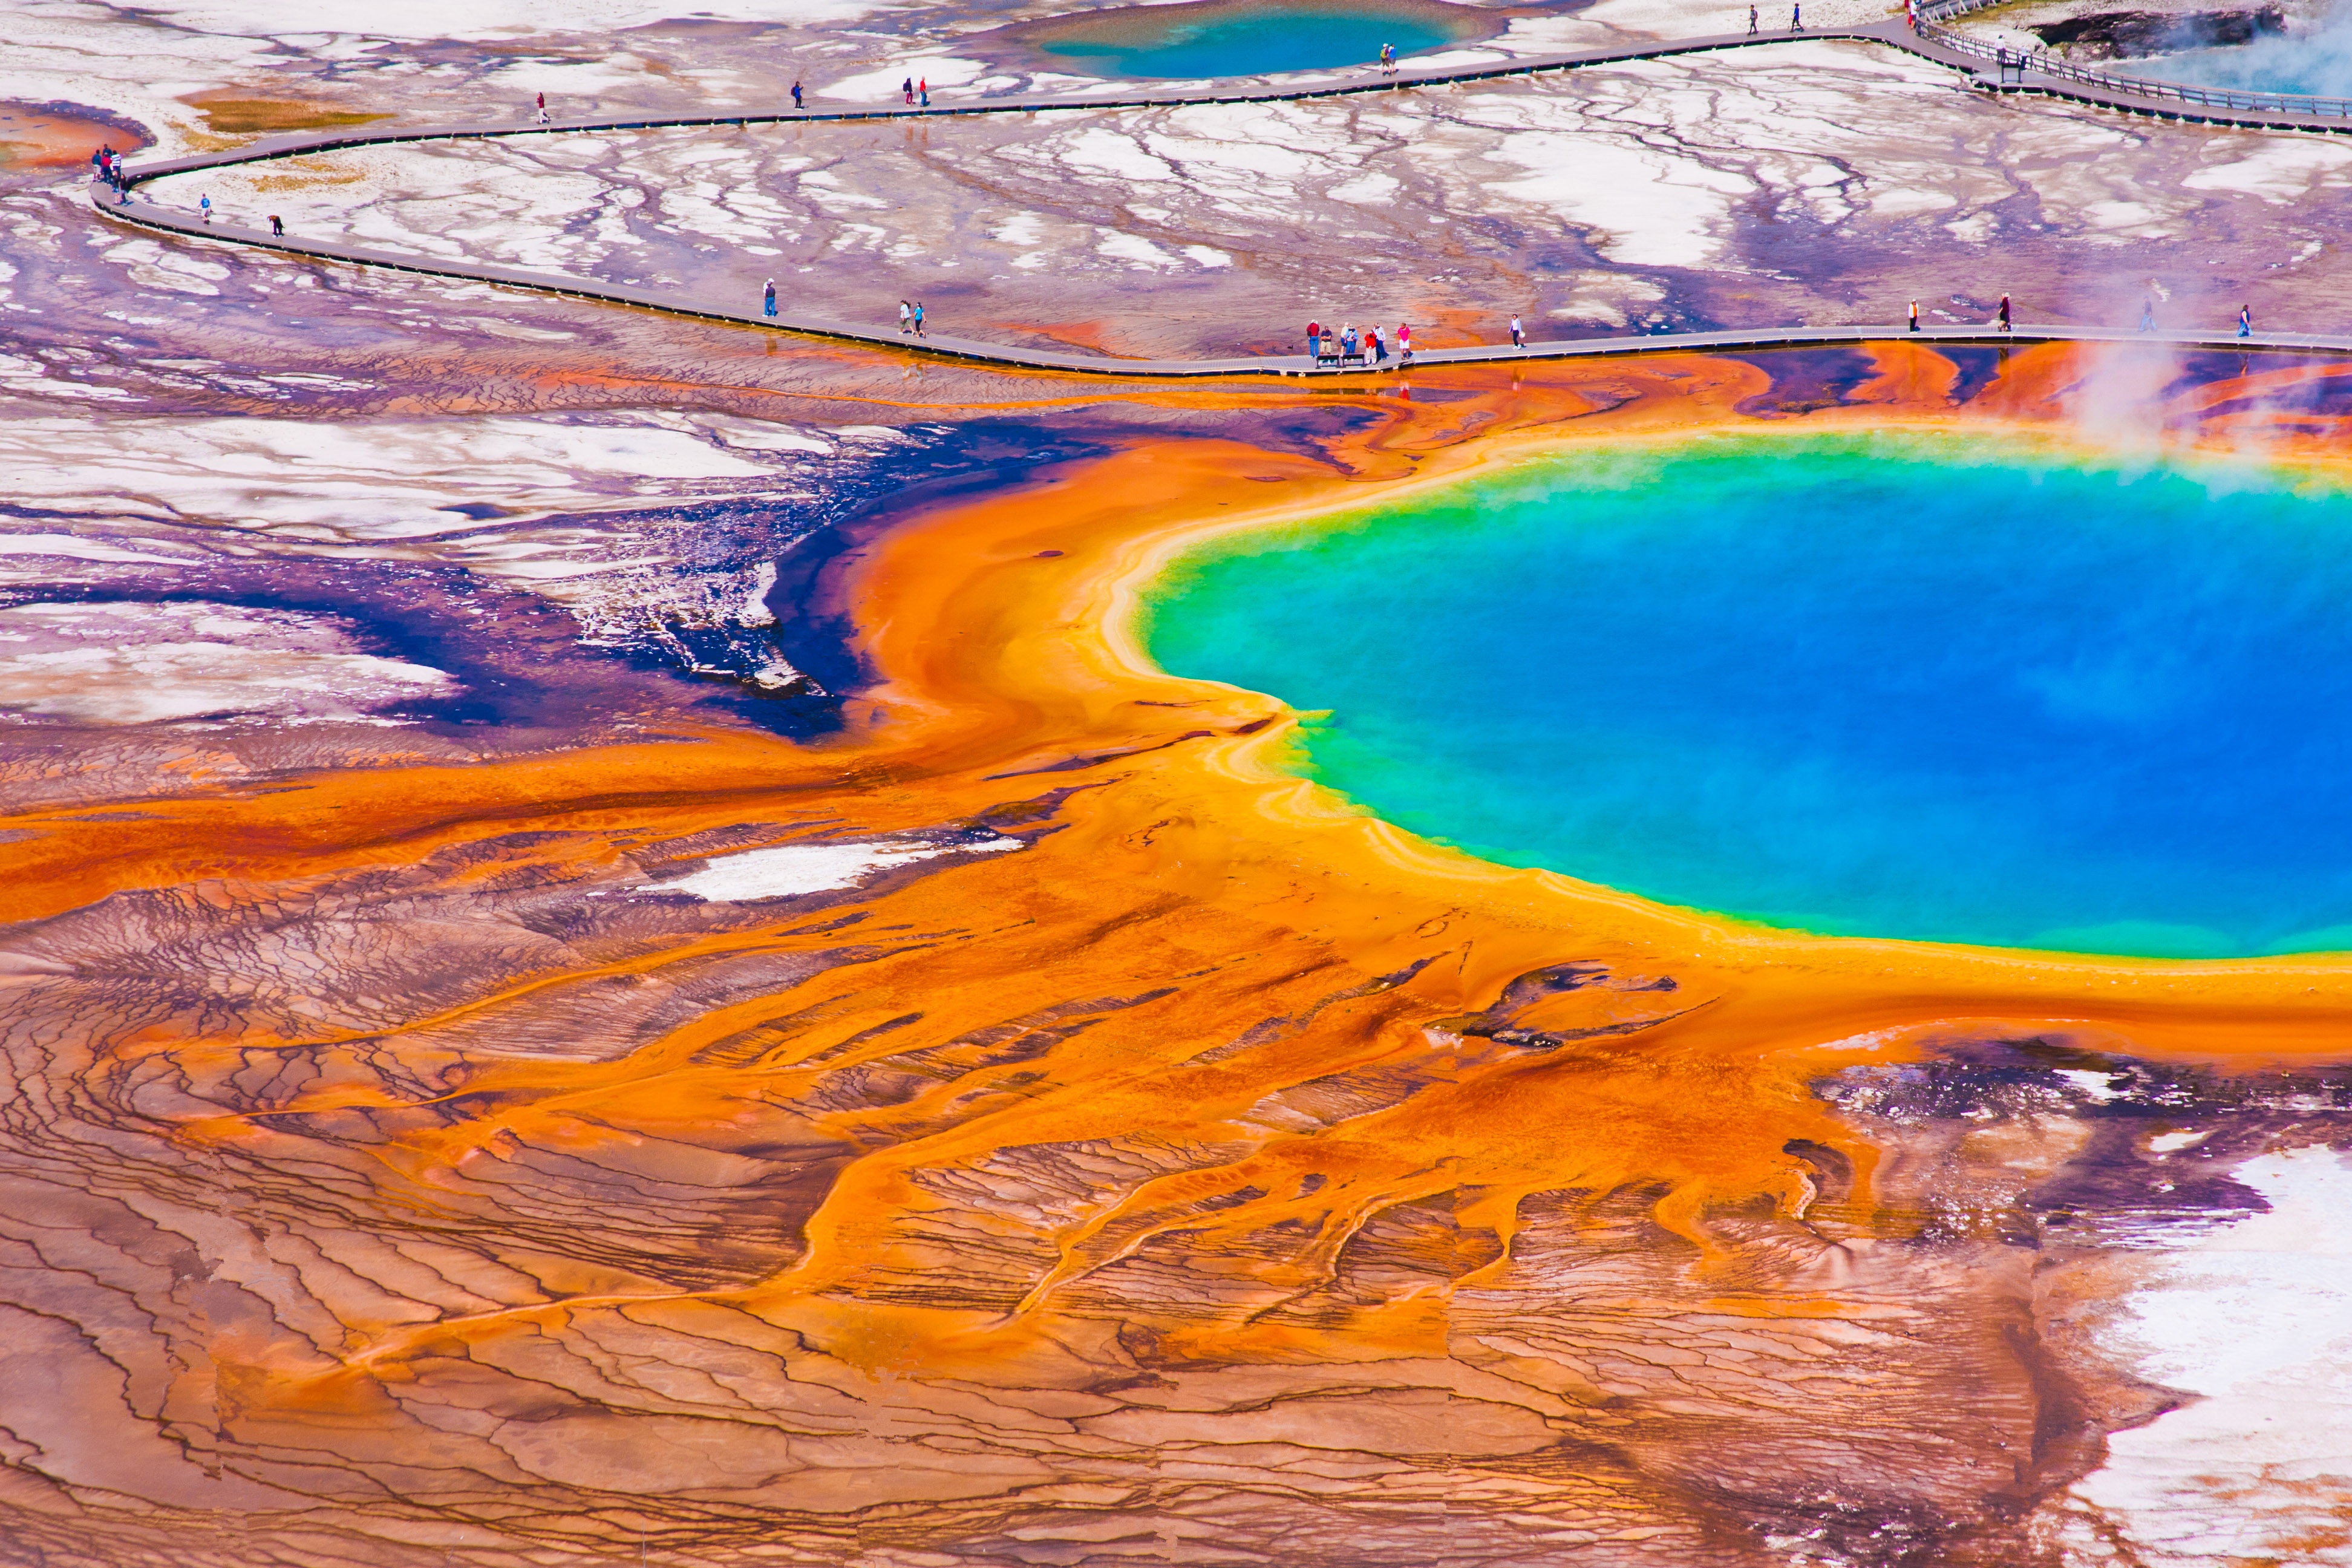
277 225
906 317
1404 345
1797 16
1914 315
1350 345
1518 334
1751 21
2147 314
205 205
1314 340
2004 312
1380 349
908 88
918 318
923 88
542 108
796 92
768 299
2245 320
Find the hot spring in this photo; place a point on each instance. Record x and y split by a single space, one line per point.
1961 690
1249 38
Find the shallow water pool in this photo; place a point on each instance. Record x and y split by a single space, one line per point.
1248 38
1909 688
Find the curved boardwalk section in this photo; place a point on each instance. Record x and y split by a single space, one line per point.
2011 73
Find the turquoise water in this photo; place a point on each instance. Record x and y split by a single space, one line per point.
1855 686
1249 41
2319 63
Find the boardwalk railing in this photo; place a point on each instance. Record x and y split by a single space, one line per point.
2041 62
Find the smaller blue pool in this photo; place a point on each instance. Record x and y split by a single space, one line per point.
2318 63
1250 38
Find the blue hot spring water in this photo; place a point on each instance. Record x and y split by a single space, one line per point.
1928 687
1253 40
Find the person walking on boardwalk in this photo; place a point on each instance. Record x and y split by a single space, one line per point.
796 92
908 88
768 299
1404 343
923 90
1914 315
1518 334
1797 16
2148 313
2245 320
205 205
2004 312
918 318
906 317
1751 21
542 108
1314 340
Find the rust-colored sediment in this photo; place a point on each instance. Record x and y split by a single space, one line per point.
1223 1173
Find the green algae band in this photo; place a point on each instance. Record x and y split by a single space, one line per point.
1881 687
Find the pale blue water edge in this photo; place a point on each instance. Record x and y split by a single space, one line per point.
1304 34
1905 687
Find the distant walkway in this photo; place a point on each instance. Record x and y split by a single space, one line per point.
1931 42
1006 356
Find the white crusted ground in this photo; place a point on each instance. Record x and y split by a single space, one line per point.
1574 196
135 663
185 493
2255 1324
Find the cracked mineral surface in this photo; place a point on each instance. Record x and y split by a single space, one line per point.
610 951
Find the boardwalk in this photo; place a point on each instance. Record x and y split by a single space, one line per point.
1934 43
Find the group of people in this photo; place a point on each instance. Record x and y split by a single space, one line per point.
1365 347
106 167
917 93
910 316
1796 19
1999 318
1387 59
